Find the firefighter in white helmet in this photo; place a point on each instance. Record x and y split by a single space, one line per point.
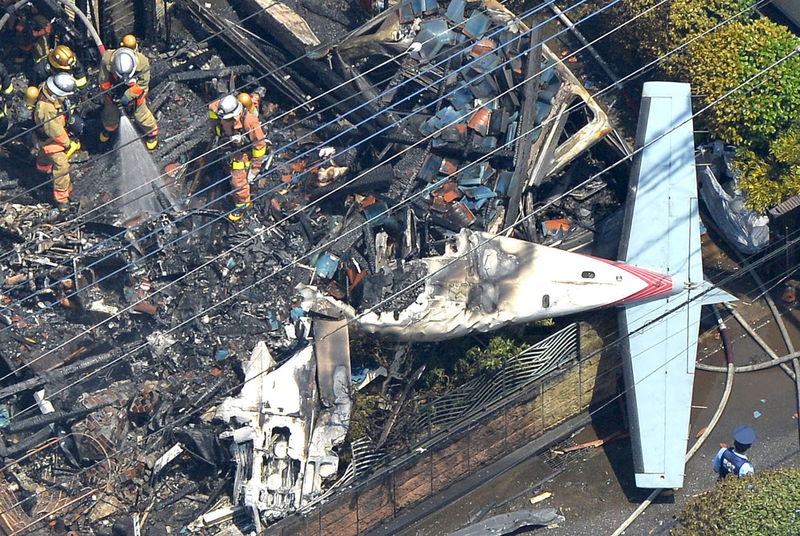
125 81
236 124
51 117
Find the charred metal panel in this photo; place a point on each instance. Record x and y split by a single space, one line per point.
484 282
286 430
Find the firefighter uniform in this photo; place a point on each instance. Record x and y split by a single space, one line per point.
53 142
132 94
31 31
52 63
244 138
6 89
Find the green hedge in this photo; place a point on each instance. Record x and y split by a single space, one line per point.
761 118
764 504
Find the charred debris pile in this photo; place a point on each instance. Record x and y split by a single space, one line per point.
160 370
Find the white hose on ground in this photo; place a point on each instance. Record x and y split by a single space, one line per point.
749 368
723 402
784 332
757 338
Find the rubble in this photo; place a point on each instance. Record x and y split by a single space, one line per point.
177 351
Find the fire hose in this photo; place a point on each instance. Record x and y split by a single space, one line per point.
726 342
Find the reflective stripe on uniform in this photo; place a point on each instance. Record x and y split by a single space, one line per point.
258 153
44 169
9 89
61 195
80 82
41 32
136 90
63 139
212 115
239 165
105 85
52 148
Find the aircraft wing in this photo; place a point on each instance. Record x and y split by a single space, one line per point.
661 233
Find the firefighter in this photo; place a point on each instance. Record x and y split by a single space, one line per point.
50 115
61 58
32 31
6 89
125 80
238 129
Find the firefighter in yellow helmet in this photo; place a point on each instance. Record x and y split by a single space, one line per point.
59 59
125 81
238 130
129 41
50 115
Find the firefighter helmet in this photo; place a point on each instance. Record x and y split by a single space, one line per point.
229 107
62 58
60 85
129 41
246 100
125 64
31 96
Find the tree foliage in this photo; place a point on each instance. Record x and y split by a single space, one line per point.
717 56
764 504
474 361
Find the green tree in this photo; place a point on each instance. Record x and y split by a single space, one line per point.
755 117
769 180
764 504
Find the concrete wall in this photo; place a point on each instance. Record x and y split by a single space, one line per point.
564 394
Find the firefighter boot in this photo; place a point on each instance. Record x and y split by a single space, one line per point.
238 211
151 141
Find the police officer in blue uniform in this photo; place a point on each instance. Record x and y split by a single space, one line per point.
732 460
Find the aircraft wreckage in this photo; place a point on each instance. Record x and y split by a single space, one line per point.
441 125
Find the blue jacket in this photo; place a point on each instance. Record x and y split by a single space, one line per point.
729 461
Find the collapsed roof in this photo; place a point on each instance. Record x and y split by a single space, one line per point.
137 328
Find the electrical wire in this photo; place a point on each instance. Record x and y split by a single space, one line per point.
269 121
264 172
403 290
292 215
183 237
319 249
219 256
725 96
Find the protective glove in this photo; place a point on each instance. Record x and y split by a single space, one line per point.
125 100
237 139
73 146
252 173
327 152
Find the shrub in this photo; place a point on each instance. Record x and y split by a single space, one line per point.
763 504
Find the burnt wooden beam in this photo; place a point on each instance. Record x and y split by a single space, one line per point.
526 124
229 32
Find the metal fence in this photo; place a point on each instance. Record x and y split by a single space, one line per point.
446 413
457 433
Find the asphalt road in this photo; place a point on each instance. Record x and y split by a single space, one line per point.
593 487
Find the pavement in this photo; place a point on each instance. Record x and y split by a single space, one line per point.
593 487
